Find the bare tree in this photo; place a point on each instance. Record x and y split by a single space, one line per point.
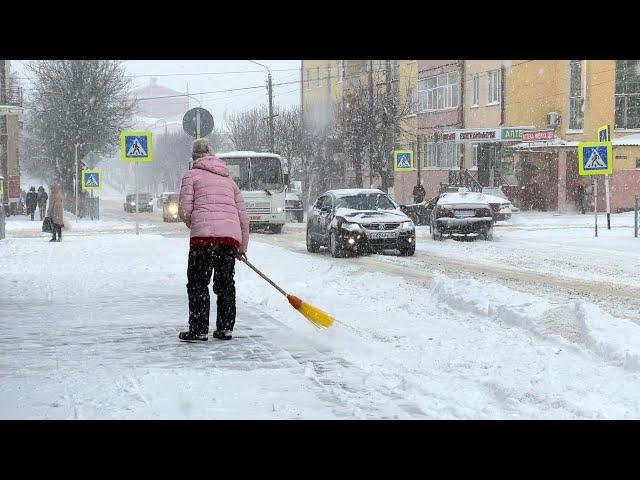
75 101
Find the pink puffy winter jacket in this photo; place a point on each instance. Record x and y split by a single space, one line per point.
211 204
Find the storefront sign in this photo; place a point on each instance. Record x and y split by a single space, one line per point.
538 135
480 135
511 134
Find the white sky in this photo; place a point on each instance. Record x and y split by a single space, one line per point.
175 74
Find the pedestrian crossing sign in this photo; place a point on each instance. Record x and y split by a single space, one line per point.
136 146
92 179
403 161
595 158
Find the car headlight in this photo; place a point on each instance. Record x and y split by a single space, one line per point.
133 204
351 227
279 210
150 202
173 209
408 224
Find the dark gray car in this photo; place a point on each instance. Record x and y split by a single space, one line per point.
359 221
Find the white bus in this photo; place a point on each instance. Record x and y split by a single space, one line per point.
262 181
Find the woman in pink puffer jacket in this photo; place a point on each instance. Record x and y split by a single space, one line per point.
212 206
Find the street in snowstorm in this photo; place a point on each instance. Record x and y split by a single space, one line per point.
271 252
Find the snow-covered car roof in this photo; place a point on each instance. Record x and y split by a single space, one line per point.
466 198
346 192
247 154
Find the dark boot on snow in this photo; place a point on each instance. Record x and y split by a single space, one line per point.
222 334
193 337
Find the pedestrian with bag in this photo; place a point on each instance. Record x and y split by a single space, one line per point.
213 208
42 201
56 212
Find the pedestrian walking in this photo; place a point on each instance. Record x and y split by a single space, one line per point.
213 208
32 201
418 193
56 212
42 201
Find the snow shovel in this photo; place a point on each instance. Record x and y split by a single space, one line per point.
316 316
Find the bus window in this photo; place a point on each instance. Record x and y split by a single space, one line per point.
266 173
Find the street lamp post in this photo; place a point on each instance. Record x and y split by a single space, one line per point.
76 178
270 94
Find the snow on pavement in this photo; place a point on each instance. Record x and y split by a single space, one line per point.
89 329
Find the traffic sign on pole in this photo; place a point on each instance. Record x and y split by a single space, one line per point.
92 179
197 122
595 158
136 147
604 133
403 161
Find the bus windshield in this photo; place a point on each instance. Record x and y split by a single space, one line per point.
256 173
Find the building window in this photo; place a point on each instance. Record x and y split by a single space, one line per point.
475 90
340 70
443 155
576 100
493 93
627 94
307 78
318 81
412 100
381 65
395 69
438 92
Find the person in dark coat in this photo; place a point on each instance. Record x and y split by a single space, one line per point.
32 201
56 212
418 193
42 201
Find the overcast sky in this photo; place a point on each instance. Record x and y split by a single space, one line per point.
177 74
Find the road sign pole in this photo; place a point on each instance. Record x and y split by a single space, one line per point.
76 182
135 174
198 124
595 203
606 189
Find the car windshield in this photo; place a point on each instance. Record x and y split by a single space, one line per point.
173 198
366 201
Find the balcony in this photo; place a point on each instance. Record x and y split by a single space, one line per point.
13 96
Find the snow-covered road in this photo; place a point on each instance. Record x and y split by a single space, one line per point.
88 330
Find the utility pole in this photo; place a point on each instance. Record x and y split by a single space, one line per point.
271 115
271 133
387 108
370 122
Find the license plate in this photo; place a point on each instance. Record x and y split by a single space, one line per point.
377 235
254 217
465 213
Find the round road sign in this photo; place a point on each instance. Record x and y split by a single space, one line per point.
190 122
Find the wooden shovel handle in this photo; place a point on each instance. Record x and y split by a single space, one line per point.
265 277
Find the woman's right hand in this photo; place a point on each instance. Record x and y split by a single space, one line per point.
241 256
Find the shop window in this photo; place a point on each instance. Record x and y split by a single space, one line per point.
474 155
576 99
638 163
442 154
627 94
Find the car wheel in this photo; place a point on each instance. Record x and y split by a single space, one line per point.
488 235
408 251
435 235
334 247
312 246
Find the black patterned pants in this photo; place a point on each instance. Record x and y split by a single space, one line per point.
203 260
